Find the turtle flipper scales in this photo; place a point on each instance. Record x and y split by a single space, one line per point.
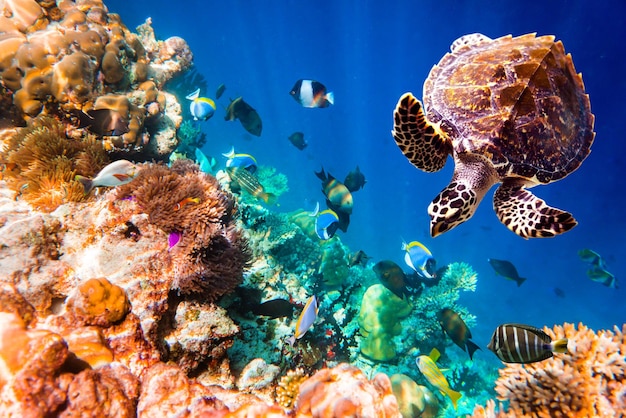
421 142
527 215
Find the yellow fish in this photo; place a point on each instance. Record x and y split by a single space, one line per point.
427 366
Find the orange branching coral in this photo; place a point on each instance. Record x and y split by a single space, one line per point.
45 163
590 381
211 253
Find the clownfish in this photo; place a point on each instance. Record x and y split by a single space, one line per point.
201 108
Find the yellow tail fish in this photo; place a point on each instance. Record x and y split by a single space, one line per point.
427 366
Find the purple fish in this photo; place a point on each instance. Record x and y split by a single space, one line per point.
174 238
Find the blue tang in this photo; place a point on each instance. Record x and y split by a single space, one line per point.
307 317
419 258
326 222
201 108
246 161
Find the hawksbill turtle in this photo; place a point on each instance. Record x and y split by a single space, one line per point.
509 110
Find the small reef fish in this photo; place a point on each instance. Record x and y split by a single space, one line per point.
559 292
337 194
420 259
307 317
201 108
597 272
392 277
246 161
220 90
103 122
248 181
452 324
186 201
326 222
359 258
207 165
274 308
507 270
518 343
297 139
115 174
311 93
354 180
426 365
249 118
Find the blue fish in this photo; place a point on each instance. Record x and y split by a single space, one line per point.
207 165
246 161
307 317
201 108
326 222
419 258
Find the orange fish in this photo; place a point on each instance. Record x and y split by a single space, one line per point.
186 200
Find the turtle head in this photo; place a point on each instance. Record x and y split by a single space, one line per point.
453 206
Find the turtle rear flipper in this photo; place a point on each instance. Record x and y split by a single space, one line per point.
421 142
527 215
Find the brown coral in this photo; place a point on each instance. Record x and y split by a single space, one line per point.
212 253
98 302
590 381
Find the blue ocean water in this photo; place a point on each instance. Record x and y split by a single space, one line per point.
369 53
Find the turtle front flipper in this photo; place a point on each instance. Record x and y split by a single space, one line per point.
421 142
527 215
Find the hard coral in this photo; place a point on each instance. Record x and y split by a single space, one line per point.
212 253
590 381
98 302
345 391
289 386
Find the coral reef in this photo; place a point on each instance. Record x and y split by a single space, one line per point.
414 400
98 302
589 381
379 319
289 386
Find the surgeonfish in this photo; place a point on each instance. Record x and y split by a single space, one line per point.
249 118
391 276
507 270
207 165
326 222
115 174
597 272
248 181
274 308
426 365
220 90
103 122
591 257
311 93
354 180
298 141
453 325
201 108
337 194
420 259
518 343
307 317
246 161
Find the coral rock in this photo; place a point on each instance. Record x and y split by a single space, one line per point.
98 302
31 360
258 377
87 345
345 391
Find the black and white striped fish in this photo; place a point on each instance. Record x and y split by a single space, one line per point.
518 343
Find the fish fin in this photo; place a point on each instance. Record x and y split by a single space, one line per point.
434 354
519 281
86 182
560 346
121 177
471 348
230 154
454 396
321 174
330 96
268 198
194 95
316 210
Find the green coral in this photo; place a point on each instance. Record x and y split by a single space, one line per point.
273 182
334 266
190 136
379 319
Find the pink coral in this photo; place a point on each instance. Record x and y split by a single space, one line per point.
345 391
589 381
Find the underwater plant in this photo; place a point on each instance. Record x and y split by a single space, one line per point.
42 163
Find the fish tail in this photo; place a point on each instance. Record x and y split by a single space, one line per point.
454 396
86 182
560 346
194 95
330 96
268 198
471 347
520 280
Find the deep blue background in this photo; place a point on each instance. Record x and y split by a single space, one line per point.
369 53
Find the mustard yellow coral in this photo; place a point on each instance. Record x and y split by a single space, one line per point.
288 387
99 302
